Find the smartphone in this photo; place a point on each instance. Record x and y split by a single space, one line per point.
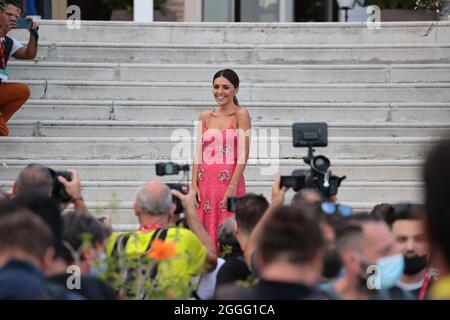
24 23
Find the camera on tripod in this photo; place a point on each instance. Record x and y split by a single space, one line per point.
319 176
171 168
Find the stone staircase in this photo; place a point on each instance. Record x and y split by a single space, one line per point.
112 99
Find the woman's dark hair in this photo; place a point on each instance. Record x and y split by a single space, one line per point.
231 76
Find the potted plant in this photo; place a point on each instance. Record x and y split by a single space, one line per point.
402 10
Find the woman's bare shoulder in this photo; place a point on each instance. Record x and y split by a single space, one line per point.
242 112
205 114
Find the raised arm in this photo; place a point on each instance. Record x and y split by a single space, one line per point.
278 195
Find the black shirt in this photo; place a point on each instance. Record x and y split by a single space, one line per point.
275 290
268 290
90 287
232 270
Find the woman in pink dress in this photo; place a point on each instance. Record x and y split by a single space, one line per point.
221 153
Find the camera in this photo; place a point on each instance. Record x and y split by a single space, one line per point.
24 23
232 204
171 168
319 176
59 191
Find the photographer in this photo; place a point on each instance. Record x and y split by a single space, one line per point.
154 209
13 95
36 178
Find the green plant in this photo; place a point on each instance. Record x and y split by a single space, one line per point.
392 4
131 274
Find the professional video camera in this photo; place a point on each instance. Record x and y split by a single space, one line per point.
170 168
319 176
59 192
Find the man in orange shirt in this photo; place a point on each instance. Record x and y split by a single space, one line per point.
13 95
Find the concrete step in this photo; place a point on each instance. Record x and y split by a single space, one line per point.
246 53
243 33
135 170
260 111
108 128
348 192
250 73
264 92
180 148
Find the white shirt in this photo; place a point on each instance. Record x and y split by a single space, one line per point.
16 46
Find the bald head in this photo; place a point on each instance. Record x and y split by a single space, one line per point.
154 198
35 178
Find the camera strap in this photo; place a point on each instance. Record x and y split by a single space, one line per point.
159 233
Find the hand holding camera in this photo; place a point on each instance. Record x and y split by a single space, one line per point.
170 168
30 25
72 185
278 192
187 200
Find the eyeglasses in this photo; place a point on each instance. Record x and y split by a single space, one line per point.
330 208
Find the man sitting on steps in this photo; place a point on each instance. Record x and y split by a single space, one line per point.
13 95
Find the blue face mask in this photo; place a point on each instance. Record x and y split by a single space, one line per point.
391 270
384 273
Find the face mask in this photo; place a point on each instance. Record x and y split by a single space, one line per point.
413 265
390 270
331 264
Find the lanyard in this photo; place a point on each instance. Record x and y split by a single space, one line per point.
424 288
2 52
150 227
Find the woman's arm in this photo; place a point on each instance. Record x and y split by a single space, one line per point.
198 156
243 145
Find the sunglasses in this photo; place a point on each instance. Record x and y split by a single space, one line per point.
330 208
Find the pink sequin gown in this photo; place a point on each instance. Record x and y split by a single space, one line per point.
219 158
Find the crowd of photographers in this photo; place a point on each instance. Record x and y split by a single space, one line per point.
312 248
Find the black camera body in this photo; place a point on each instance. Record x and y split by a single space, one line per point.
59 192
181 188
171 168
319 176
232 204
